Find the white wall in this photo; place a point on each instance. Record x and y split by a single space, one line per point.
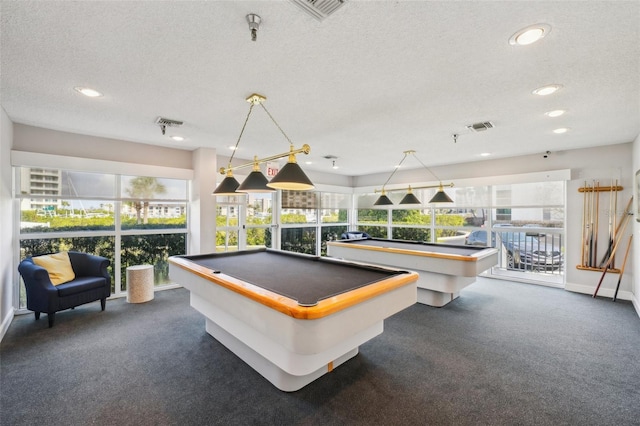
8 268
45 141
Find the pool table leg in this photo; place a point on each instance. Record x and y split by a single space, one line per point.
278 377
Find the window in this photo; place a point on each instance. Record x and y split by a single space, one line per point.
258 220
311 218
227 224
144 222
483 215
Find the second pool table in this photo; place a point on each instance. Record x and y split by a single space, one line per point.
444 269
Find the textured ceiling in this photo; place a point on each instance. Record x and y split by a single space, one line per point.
367 83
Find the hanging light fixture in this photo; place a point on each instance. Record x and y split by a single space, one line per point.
291 177
228 185
256 181
410 198
383 200
441 196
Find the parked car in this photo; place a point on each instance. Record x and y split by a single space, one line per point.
532 251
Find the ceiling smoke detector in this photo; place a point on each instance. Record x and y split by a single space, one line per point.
165 122
319 9
480 127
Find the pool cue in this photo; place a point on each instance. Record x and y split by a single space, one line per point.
615 209
625 220
616 228
584 224
589 228
611 216
591 223
596 226
624 262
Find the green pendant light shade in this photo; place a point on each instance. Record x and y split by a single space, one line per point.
291 177
441 197
410 198
255 182
228 185
383 200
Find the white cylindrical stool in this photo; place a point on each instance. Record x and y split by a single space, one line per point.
139 283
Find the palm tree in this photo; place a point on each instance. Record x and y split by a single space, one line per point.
143 188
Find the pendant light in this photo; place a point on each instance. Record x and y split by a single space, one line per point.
256 181
410 198
290 177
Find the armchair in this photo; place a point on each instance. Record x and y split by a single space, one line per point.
92 282
354 235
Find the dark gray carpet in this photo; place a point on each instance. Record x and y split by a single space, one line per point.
502 354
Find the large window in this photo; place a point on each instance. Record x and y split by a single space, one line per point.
311 218
371 220
258 220
130 220
524 221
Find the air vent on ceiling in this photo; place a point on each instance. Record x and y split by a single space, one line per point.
165 122
161 121
480 127
319 9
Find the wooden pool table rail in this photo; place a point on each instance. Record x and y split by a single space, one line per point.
409 252
290 306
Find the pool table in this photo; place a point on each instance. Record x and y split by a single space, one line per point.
292 317
444 269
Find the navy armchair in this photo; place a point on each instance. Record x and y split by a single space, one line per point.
92 282
354 235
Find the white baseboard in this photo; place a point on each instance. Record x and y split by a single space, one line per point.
636 304
602 292
6 322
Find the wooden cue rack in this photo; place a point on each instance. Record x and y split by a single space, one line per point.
590 260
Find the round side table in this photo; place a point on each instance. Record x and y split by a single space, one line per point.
139 283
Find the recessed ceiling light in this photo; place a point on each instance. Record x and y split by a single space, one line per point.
555 113
177 138
561 130
232 148
485 154
308 162
88 92
530 34
547 90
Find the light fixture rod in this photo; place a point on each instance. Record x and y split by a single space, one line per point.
305 149
446 185
423 165
246 120
275 122
396 168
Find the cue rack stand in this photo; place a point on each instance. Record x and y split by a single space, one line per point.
594 258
